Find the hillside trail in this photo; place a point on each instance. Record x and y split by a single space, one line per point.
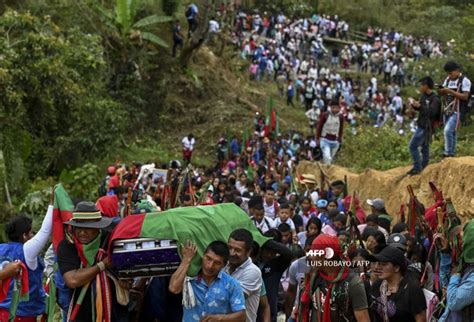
453 176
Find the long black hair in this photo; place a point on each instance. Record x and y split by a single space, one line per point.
17 226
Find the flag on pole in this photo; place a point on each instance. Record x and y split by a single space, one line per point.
277 124
62 212
245 139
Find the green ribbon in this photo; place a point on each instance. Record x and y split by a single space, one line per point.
51 302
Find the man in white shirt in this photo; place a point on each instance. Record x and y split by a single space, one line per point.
457 90
188 148
241 268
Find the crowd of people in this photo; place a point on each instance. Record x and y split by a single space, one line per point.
325 258
291 53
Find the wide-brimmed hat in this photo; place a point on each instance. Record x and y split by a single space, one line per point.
308 178
87 215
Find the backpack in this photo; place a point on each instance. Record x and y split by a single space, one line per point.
104 184
437 119
454 106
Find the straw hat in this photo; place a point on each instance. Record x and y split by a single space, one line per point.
308 178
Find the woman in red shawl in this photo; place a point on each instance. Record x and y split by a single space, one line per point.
332 293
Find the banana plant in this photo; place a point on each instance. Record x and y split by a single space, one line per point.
124 20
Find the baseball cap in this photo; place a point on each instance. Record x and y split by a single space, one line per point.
322 203
397 240
390 254
377 203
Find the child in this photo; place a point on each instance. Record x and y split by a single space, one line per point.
284 218
322 211
307 210
253 69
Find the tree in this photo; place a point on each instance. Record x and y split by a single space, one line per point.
55 112
170 6
124 20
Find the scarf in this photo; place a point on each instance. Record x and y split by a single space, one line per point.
326 309
20 291
322 242
384 299
88 252
101 296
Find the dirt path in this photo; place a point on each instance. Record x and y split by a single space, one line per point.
454 176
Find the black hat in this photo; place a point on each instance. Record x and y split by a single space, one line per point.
397 240
390 254
87 215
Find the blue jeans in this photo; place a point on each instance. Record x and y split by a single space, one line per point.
329 149
420 139
450 134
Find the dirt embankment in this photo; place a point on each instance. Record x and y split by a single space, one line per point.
454 176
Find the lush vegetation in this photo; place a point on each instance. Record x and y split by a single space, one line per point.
86 82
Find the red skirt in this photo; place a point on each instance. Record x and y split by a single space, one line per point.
187 154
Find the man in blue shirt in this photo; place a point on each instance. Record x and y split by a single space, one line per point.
191 15
212 295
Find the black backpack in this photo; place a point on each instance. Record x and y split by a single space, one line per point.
103 186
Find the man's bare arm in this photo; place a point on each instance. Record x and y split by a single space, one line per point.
177 279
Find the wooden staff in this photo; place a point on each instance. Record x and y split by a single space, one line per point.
128 205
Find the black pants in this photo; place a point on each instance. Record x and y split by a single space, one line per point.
192 26
177 42
289 101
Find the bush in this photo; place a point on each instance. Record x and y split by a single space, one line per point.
375 148
170 7
83 182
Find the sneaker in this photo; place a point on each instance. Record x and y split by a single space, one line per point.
413 172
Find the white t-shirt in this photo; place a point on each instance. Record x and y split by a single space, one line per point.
453 84
289 221
213 26
264 226
188 144
269 210
296 274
